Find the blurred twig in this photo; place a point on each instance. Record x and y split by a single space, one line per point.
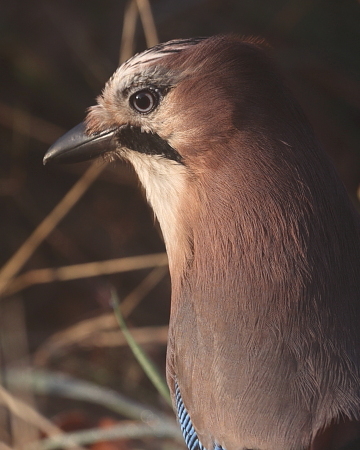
58 384
72 335
91 62
149 368
49 223
156 424
144 335
133 8
20 257
86 270
15 350
36 128
96 332
26 413
131 301
30 416
128 32
60 241
148 23
126 430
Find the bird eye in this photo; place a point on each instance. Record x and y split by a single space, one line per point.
144 101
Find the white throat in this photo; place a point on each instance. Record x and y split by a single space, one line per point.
164 181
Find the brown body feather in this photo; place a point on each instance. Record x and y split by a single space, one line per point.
263 244
264 336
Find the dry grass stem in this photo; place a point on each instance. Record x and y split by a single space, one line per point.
61 385
86 270
143 359
73 335
36 128
125 430
98 332
63 244
15 350
28 414
155 424
91 63
145 335
133 8
132 300
148 22
16 262
128 32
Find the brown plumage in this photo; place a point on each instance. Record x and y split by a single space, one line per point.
263 243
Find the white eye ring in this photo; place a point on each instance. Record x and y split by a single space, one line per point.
144 101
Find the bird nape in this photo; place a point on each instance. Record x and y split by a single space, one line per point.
263 244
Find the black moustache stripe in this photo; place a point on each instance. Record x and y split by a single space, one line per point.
148 143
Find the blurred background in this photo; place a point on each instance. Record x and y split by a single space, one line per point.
55 58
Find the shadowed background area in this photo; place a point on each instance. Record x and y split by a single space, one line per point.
55 58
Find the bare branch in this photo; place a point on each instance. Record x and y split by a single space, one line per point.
36 128
128 33
86 270
16 262
148 22
125 430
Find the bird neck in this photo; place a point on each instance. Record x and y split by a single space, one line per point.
273 247
268 227
164 182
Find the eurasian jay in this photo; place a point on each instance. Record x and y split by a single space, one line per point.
263 244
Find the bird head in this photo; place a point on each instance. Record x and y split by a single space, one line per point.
198 119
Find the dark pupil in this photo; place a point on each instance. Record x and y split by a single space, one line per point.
143 101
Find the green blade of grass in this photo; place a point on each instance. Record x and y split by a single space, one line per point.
149 368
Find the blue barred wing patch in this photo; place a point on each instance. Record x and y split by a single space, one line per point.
188 431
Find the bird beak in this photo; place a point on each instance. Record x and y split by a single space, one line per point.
76 145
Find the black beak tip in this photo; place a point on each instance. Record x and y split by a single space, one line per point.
78 146
48 156
65 148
